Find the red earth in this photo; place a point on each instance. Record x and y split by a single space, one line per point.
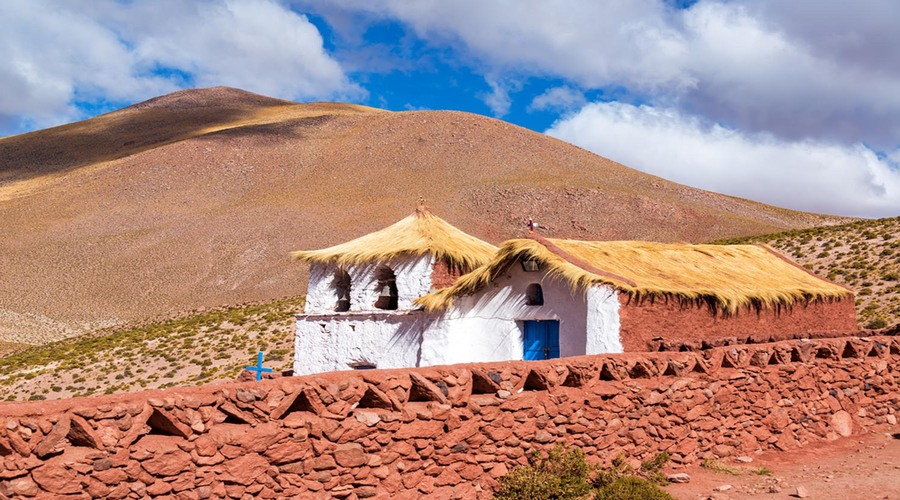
865 466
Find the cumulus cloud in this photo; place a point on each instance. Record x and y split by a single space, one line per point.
498 98
806 175
821 70
58 54
558 99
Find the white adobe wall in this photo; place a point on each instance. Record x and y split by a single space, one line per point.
321 294
386 339
603 327
413 281
487 326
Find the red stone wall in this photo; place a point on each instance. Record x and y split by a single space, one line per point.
442 275
641 322
443 431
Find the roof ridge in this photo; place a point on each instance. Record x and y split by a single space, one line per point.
583 264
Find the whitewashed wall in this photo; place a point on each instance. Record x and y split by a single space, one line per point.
488 326
413 281
321 294
603 326
385 339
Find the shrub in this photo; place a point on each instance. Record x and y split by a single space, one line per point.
561 475
716 466
631 488
876 324
618 469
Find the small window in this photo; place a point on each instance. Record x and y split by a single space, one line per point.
363 365
530 265
387 289
342 288
534 295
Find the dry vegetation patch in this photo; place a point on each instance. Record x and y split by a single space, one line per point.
194 349
863 255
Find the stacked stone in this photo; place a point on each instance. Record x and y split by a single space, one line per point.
448 431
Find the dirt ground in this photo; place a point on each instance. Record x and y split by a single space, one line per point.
858 467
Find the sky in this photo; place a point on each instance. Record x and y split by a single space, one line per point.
796 104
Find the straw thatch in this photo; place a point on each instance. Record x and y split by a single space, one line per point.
420 233
723 277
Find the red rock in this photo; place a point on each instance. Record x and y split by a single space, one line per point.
159 488
23 487
234 490
414 429
55 477
423 389
247 468
258 439
184 482
166 422
288 451
18 444
324 462
51 443
470 472
381 472
842 423
499 471
350 455
448 478
111 476
166 458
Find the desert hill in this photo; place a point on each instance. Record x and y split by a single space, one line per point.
194 199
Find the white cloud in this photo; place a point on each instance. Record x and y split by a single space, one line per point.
763 65
57 52
805 175
498 98
558 99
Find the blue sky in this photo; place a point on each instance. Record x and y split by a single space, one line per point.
790 103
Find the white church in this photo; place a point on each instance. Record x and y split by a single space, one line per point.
421 292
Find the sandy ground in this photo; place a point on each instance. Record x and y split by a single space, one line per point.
858 467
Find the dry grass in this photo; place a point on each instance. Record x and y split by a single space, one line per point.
197 348
723 277
420 233
864 256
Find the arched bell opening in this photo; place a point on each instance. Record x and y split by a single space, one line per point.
342 289
387 289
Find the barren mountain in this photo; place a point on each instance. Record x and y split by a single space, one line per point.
194 199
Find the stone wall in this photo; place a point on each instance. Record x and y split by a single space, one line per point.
643 321
449 431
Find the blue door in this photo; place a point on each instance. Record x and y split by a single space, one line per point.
541 340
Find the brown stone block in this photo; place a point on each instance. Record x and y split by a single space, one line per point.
97 489
413 430
230 410
53 441
422 389
54 477
350 455
246 468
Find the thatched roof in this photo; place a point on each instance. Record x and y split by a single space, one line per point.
723 277
420 233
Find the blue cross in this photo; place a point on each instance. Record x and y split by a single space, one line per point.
259 367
